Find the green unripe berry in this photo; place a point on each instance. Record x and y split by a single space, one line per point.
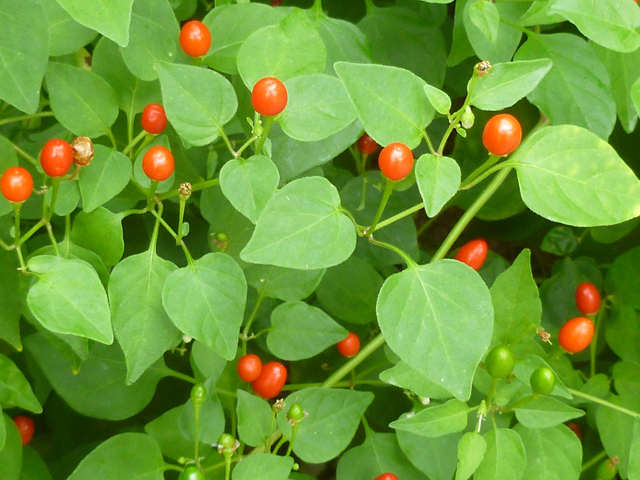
499 362
198 395
226 441
608 469
295 413
543 380
191 473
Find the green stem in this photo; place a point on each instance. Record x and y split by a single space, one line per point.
484 175
54 197
112 138
492 391
469 214
343 384
30 233
268 123
278 445
595 460
16 233
183 204
594 342
294 432
252 317
134 142
244 147
491 161
613 406
388 190
362 355
173 234
269 438
54 242
152 192
175 468
400 216
227 467
5 121
172 373
407 259
426 137
25 156
196 421
147 140
520 403
194 188
526 31
5 246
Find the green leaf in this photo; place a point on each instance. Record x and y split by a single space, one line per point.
109 17
166 432
33 466
133 94
508 82
349 291
577 89
539 14
154 31
206 301
211 417
437 421
505 457
318 107
128 455
525 367
99 389
68 297
135 293
560 241
545 412
302 227
15 390
569 175
301 331
67 200
440 100
254 418
24 36
249 184
10 299
378 454
471 451
622 330
613 233
610 23
283 283
105 177
206 362
343 40
83 102
3 430
230 25
624 70
616 430
485 17
403 376
392 33
332 421
516 303
11 454
434 456
634 456
552 453
422 311
390 102
438 179
66 36
101 232
263 466
623 279
292 47
198 101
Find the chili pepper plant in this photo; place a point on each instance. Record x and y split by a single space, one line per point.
348 240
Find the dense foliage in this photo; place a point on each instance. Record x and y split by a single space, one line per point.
209 270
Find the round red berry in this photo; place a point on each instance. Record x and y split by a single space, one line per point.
367 145
271 380
195 38
26 428
473 253
386 476
269 97
576 334
502 134
395 161
587 298
56 157
158 163
249 367
16 184
350 345
154 119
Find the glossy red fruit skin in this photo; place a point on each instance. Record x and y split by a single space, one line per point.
270 382
575 428
576 334
473 253
587 298
269 97
249 367
277 3
386 476
16 184
154 119
502 134
195 38
56 157
158 163
367 145
26 428
349 346
396 161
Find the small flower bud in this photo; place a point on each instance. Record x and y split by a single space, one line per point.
467 118
482 68
185 190
278 405
82 151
